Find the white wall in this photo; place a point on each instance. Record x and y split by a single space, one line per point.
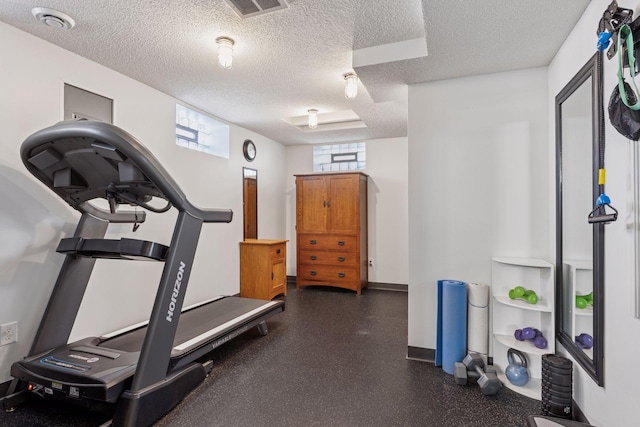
33 219
478 182
387 206
614 404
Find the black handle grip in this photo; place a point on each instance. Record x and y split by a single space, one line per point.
341 274
603 218
277 251
312 242
341 258
313 257
324 203
340 242
313 272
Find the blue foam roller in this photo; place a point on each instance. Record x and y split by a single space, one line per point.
454 323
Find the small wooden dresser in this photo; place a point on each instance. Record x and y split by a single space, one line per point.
263 268
331 230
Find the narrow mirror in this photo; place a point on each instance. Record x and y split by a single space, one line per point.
579 245
250 201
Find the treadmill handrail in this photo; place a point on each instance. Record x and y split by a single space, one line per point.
119 217
128 145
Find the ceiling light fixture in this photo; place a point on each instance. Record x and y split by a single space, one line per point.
313 118
225 52
350 86
53 18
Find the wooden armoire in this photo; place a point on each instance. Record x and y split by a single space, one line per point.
331 230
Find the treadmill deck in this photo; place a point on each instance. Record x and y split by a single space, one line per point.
102 369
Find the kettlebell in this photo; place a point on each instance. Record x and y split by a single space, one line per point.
517 372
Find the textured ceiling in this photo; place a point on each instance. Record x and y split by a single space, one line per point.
291 60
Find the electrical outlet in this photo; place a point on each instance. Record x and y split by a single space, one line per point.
8 333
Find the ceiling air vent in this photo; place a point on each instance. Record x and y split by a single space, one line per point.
247 8
53 18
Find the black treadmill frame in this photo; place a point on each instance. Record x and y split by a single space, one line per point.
49 164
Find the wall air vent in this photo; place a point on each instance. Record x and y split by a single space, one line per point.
248 8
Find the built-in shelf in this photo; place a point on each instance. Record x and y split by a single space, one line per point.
584 311
523 262
508 314
526 346
578 275
541 305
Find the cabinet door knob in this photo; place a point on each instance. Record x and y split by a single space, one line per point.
313 257
313 272
312 242
341 258
324 203
277 251
341 274
340 242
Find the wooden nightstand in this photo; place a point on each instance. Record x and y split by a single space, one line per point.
263 268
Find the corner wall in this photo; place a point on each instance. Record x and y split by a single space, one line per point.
478 183
33 219
614 404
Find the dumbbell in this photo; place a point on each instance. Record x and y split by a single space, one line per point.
521 293
472 366
582 301
584 341
531 334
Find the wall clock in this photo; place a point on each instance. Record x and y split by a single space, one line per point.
249 150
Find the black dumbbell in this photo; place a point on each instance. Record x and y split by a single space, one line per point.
472 366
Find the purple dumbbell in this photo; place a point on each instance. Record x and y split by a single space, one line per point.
540 342
584 341
531 334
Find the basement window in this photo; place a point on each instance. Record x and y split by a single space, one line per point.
339 157
199 132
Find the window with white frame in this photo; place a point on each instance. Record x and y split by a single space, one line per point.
199 132
339 157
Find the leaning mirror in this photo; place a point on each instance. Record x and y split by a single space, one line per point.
250 202
579 244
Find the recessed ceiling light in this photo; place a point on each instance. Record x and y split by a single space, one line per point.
329 121
53 18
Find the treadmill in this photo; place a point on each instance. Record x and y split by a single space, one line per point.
140 373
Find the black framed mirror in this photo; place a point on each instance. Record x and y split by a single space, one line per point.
579 244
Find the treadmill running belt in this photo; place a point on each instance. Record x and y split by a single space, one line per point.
193 323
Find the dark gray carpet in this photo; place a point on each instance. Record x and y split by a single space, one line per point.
331 359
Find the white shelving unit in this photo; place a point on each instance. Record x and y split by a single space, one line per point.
507 315
579 276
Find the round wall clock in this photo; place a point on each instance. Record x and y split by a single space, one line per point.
249 150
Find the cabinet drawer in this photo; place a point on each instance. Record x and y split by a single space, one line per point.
277 252
328 242
328 258
328 273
